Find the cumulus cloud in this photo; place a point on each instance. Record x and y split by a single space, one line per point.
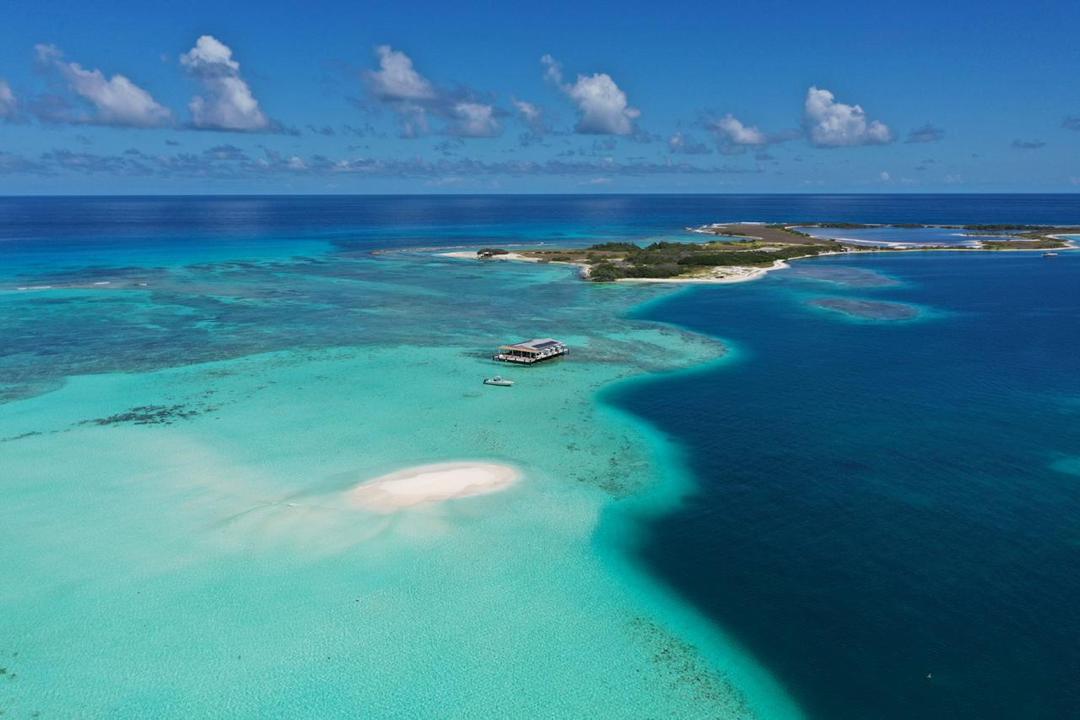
227 102
116 100
529 112
685 144
415 100
1072 122
533 116
396 78
9 106
474 120
925 134
733 136
535 120
603 108
834 124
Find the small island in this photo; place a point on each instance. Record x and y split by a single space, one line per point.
745 251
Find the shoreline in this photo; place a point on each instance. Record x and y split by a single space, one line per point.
583 269
743 274
732 274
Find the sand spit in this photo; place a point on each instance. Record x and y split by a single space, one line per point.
471 255
583 269
716 276
424 484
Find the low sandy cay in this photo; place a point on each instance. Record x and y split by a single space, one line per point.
423 484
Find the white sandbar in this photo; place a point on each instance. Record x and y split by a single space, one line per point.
432 483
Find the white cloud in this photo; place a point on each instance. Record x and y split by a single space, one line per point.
885 176
682 143
603 106
396 78
408 93
474 120
534 118
731 130
8 103
529 113
228 103
552 69
414 99
118 101
834 124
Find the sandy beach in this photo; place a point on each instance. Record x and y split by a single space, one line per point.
583 269
471 255
717 276
423 484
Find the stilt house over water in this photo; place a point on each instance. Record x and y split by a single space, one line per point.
531 351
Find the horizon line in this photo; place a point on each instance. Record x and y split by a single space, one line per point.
539 194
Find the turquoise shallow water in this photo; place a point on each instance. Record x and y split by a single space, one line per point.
175 479
187 403
213 563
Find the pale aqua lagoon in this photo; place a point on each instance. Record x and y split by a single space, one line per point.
178 542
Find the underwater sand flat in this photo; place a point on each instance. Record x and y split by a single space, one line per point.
221 510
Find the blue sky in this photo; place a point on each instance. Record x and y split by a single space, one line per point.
555 97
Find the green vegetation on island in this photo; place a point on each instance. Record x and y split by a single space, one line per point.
1028 237
607 262
750 248
1037 243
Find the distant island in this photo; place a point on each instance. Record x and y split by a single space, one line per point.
750 250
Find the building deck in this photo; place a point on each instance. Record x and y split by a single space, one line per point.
531 351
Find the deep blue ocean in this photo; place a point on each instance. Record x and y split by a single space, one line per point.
888 504
896 505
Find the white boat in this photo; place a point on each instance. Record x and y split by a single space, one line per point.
1050 254
498 380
